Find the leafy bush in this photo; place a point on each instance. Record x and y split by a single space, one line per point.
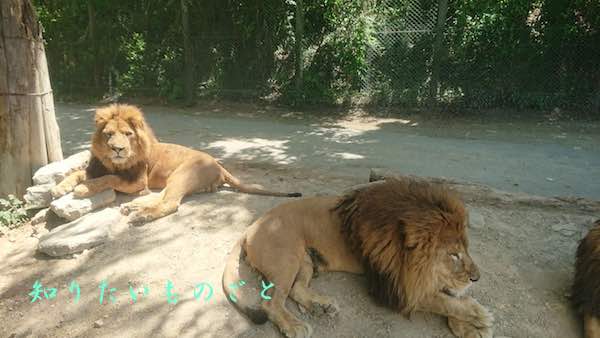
12 212
521 53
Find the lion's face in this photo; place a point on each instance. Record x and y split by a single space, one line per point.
119 137
455 269
122 137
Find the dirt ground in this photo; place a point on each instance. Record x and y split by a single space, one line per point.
523 245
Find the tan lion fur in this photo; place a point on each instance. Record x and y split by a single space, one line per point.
127 157
408 237
586 287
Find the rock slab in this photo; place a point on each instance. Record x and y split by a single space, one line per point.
40 217
71 207
38 196
476 219
55 172
77 236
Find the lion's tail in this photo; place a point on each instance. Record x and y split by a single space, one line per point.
235 183
244 297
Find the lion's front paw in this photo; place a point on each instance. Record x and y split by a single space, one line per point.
139 218
144 192
60 190
482 317
298 329
82 190
128 208
462 329
326 306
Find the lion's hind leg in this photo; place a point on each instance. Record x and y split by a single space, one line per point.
592 326
286 268
140 202
188 178
155 208
307 298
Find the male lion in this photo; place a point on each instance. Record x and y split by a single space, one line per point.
127 157
408 237
586 288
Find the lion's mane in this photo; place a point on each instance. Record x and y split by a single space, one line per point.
101 163
396 228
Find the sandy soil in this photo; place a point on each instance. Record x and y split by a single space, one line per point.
525 250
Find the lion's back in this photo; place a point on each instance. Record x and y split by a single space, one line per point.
586 287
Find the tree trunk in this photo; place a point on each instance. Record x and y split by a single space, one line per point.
187 51
29 135
93 42
299 48
438 51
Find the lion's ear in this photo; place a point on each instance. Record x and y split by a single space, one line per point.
137 122
103 115
133 115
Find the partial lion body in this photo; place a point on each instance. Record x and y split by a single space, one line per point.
318 230
128 158
293 240
586 288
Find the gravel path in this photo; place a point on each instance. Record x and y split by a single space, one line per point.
525 250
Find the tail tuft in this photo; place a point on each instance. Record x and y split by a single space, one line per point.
294 194
257 316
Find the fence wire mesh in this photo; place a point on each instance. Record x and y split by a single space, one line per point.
399 52
538 55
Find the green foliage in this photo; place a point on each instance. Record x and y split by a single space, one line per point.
518 53
12 212
534 54
335 60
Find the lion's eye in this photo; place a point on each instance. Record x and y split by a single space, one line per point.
108 133
128 133
455 256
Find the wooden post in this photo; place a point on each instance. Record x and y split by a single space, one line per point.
437 49
188 56
299 34
29 134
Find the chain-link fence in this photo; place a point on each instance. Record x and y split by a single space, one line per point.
399 53
519 54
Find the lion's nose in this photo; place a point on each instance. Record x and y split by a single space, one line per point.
117 149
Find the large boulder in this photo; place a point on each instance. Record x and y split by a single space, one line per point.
40 217
84 233
55 172
71 207
38 196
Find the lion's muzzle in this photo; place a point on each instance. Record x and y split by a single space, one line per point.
474 275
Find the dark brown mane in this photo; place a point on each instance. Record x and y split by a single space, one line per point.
395 226
96 169
586 287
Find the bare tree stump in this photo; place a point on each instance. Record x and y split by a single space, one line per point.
29 134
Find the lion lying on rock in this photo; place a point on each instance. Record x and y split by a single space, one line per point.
127 157
586 288
408 237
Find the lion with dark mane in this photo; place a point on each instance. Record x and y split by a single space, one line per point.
586 288
408 237
127 157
